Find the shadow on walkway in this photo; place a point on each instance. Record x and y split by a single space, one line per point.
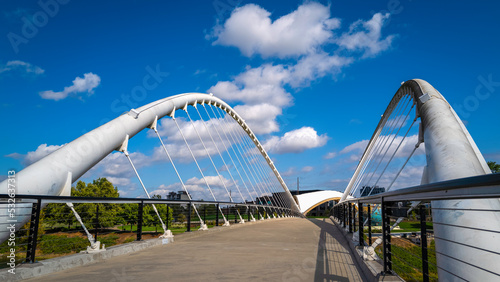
334 261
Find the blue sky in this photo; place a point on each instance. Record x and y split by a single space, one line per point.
318 72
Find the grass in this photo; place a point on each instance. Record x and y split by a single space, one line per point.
412 226
407 261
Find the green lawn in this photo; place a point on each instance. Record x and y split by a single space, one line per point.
412 226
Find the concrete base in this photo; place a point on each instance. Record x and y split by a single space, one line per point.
95 248
167 236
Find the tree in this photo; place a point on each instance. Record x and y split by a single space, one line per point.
61 213
495 168
151 218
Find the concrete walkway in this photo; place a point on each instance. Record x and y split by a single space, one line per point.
289 249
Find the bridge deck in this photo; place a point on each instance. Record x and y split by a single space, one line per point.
287 249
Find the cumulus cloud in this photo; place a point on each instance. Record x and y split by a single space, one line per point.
296 141
21 67
263 84
309 38
251 30
366 36
359 146
198 189
407 145
80 86
314 66
261 118
33 156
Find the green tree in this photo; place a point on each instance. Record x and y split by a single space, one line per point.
62 214
151 218
129 214
495 168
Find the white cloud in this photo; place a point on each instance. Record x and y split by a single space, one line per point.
307 169
21 66
311 41
359 146
314 66
263 84
176 146
408 144
366 36
80 85
296 141
260 118
330 155
291 171
33 156
251 30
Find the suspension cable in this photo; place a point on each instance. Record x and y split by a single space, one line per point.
220 155
125 152
179 176
229 154
199 168
213 164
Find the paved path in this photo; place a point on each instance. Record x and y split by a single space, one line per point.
289 249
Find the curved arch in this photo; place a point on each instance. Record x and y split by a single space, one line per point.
320 203
54 174
424 95
451 153
309 201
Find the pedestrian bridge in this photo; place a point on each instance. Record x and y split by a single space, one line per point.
289 249
447 197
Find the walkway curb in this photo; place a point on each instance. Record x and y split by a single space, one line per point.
371 269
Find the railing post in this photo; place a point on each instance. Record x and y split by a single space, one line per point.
344 215
369 215
217 215
353 217
248 214
350 217
386 237
168 212
33 231
423 244
189 219
96 221
360 223
205 213
235 215
139 221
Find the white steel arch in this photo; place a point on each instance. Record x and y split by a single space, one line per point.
54 174
451 153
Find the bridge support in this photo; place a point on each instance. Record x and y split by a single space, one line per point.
451 154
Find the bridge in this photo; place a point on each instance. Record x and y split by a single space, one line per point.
231 175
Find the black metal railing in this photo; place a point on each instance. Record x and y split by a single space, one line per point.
409 252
